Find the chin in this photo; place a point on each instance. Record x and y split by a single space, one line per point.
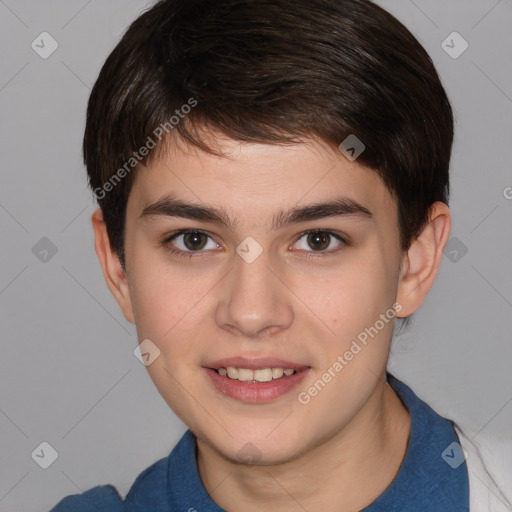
257 450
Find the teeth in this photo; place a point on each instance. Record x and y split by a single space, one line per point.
264 375
243 374
260 375
277 372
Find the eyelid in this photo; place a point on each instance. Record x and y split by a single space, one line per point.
190 254
342 237
344 241
166 239
170 237
173 235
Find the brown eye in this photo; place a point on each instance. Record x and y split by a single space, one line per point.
319 241
190 241
195 240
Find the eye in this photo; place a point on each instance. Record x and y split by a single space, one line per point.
320 240
189 241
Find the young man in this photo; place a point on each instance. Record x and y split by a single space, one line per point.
273 184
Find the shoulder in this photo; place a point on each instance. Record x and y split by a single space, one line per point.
157 488
148 492
490 488
101 498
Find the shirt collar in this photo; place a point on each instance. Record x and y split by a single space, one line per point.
425 480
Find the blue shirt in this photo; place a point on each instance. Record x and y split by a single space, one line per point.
433 476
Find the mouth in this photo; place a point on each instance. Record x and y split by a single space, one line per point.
255 381
258 375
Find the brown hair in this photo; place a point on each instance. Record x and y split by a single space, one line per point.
274 71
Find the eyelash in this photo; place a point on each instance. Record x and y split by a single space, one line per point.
195 254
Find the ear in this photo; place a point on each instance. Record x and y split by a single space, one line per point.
113 272
422 260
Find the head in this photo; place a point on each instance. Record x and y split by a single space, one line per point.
226 118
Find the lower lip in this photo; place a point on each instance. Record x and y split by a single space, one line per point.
255 392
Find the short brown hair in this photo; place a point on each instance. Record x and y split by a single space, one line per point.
273 71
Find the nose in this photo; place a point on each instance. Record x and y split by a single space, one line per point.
254 301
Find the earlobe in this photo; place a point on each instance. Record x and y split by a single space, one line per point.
113 272
422 260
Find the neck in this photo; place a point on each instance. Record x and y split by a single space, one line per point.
344 473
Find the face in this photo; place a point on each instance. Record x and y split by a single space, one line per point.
265 279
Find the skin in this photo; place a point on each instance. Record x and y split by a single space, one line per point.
342 449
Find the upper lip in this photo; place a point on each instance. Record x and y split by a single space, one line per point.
254 363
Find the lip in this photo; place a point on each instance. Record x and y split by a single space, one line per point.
254 363
256 392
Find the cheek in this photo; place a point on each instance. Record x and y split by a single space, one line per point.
162 295
348 297
360 306
168 310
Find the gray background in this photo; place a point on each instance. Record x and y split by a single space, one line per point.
68 373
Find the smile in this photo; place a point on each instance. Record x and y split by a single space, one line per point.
258 375
255 385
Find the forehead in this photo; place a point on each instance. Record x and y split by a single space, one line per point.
258 180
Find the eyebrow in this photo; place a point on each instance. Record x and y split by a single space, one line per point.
172 207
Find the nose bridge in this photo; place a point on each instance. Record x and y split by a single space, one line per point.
254 299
